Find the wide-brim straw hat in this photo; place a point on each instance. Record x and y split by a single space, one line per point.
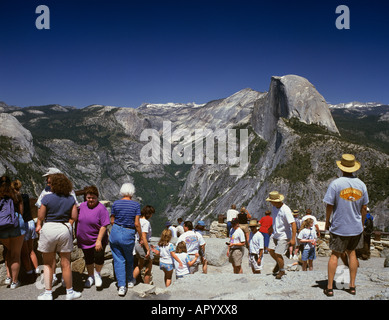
348 163
253 223
275 196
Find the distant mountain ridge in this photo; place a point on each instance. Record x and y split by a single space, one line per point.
294 140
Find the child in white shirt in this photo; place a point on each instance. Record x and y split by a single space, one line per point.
167 254
182 255
307 236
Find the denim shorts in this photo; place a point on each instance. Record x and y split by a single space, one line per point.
14 232
166 266
30 230
308 254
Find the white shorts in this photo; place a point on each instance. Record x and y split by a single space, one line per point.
253 262
56 237
279 246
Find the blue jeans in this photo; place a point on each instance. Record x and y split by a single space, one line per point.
229 226
122 242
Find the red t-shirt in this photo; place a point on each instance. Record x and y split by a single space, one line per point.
266 222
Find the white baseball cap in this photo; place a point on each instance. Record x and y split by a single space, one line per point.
52 171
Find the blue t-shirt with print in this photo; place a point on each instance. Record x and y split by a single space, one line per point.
347 195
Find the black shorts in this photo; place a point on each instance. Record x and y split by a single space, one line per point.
92 256
343 243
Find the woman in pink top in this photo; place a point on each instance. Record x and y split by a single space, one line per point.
92 238
266 222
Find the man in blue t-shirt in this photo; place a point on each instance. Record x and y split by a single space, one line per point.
346 199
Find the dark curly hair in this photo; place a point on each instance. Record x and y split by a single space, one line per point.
60 184
91 190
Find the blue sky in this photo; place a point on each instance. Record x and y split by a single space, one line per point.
124 53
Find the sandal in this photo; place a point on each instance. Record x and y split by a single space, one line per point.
352 290
329 292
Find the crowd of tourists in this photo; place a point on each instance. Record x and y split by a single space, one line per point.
279 232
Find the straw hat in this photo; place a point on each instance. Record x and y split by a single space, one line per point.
348 163
275 196
253 223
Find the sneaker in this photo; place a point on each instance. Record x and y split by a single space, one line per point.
89 282
122 291
15 285
73 295
45 296
130 284
7 281
98 280
295 257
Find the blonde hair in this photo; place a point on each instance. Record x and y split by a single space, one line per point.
181 247
306 224
165 238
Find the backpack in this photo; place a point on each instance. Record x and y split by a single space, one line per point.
369 226
8 218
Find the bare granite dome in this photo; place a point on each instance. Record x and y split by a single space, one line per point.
288 97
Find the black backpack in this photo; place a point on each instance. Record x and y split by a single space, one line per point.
369 226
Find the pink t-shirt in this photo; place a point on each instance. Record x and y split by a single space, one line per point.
89 224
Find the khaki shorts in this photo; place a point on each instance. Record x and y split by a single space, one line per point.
236 256
244 227
56 237
279 246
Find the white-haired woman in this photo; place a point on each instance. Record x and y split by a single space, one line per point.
125 214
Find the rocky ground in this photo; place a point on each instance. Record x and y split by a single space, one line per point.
221 284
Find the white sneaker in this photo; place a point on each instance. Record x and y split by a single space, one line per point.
122 291
295 257
45 296
89 282
98 280
73 295
15 285
131 284
7 281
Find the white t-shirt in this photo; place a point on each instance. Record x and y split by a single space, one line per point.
232 214
180 230
282 218
165 253
256 242
237 237
307 234
193 241
174 231
184 257
145 225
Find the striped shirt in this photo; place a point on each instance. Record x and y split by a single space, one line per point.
125 211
